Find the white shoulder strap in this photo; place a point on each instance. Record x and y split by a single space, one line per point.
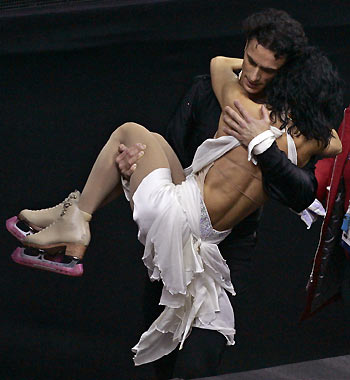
292 150
209 151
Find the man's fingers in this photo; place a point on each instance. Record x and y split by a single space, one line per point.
228 131
231 123
131 170
231 132
127 158
132 159
233 117
121 156
132 154
122 148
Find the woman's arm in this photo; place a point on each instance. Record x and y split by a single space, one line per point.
334 147
227 88
310 148
223 76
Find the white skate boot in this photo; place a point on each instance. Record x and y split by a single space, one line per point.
31 221
59 247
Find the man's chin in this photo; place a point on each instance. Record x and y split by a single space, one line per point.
252 90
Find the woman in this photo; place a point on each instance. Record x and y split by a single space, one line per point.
194 213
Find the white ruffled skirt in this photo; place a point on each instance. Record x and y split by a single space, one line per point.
181 250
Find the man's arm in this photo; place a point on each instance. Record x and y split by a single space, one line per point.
196 119
292 186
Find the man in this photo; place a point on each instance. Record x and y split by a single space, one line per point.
273 38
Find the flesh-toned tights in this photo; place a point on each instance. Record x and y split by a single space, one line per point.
104 184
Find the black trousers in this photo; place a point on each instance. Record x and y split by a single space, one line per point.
345 294
203 350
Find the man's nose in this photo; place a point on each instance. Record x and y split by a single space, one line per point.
255 75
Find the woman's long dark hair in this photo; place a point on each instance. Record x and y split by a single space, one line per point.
306 93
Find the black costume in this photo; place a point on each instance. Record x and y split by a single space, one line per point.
195 120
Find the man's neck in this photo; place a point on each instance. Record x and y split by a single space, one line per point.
258 98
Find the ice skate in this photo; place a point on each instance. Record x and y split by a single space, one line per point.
59 247
29 222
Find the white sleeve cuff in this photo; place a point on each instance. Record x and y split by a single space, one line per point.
259 144
310 214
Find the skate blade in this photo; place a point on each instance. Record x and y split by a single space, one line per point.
18 228
41 260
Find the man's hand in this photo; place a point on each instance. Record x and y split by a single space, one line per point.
243 126
127 158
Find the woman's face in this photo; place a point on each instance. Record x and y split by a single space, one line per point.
259 67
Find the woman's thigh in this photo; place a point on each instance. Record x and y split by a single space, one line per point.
154 155
177 172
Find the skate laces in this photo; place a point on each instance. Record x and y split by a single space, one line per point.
67 202
70 197
66 206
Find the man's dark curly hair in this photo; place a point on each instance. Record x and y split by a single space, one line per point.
307 93
277 31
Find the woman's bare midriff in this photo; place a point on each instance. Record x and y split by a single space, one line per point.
232 189
233 186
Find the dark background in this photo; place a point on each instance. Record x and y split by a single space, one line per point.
69 74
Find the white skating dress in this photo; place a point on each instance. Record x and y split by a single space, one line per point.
181 250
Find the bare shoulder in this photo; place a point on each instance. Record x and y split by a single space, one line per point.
305 148
315 147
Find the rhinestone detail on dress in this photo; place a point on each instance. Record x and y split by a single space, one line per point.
206 228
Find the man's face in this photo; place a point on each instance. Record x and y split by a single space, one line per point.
259 67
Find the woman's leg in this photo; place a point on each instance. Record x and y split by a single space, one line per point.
70 231
39 219
177 172
104 177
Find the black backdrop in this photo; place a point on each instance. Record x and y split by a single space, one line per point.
69 75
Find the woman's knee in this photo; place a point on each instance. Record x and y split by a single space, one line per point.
158 136
125 130
161 140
